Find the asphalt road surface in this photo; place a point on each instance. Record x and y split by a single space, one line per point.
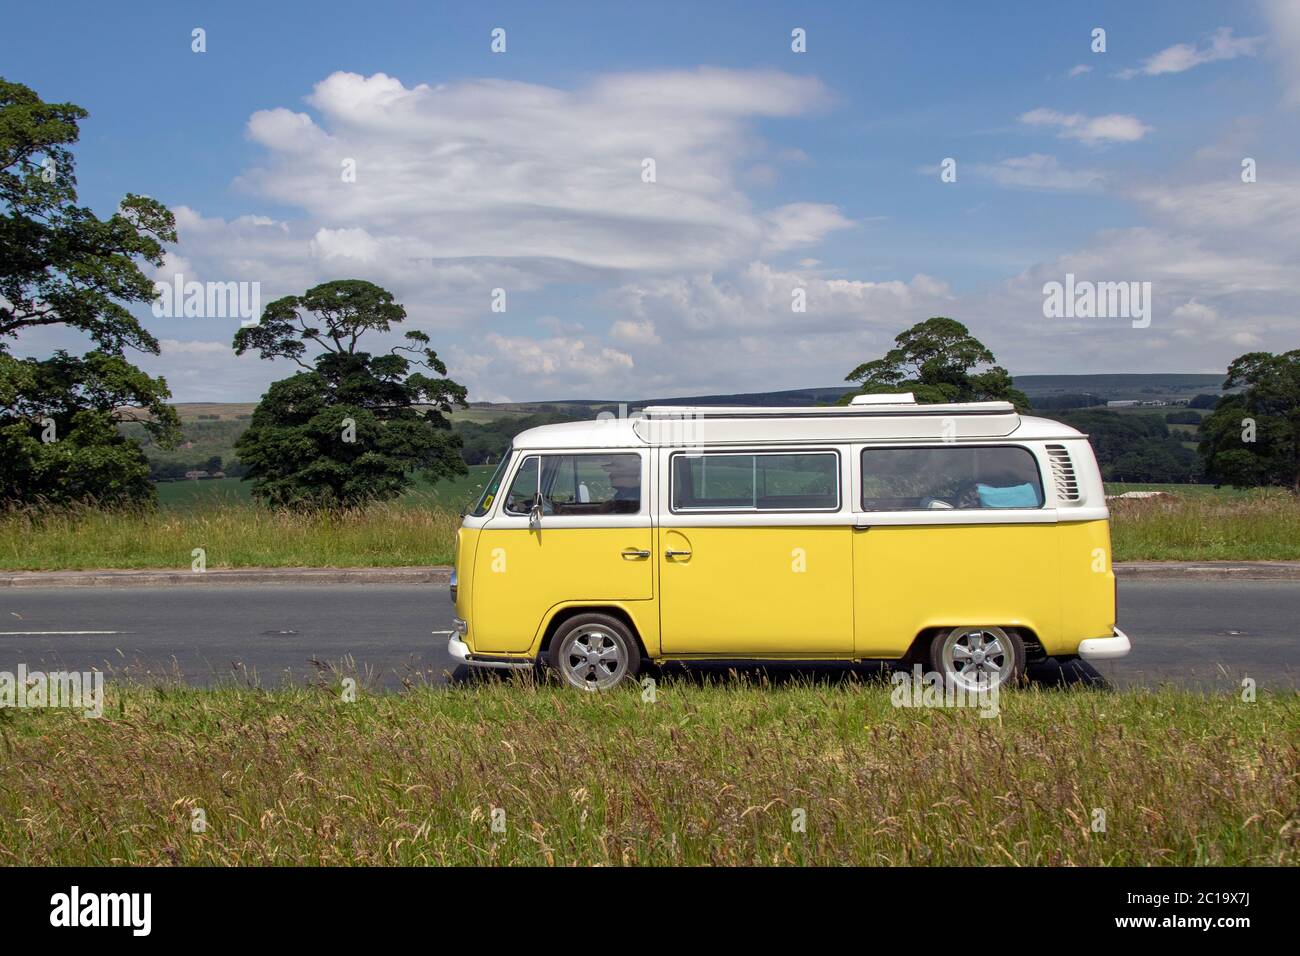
1208 634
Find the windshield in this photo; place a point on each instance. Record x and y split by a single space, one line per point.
490 489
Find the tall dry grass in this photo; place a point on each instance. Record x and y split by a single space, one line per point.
704 775
231 534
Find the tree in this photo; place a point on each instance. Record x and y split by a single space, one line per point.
347 429
486 442
1137 447
1253 436
938 360
62 265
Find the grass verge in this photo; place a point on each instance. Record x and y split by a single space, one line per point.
1259 526
708 774
232 535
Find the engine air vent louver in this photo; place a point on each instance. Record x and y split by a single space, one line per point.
1067 482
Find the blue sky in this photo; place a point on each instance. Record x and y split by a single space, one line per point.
775 170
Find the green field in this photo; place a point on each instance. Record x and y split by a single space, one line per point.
190 494
713 774
452 493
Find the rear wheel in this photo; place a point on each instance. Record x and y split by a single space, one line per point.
594 652
978 657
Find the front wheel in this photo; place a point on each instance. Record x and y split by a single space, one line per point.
594 652
978 657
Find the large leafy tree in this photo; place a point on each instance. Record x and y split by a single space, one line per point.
1135 447
61 265
1253 435
352 426
940 361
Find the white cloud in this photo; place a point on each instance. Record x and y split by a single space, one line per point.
738 331
1113 127
1263 218
640 333
345 244
197 347
1079 70
760 297
199 370
1222 45
1038 171
801 223
1284 18
542 366
1221 262
531 173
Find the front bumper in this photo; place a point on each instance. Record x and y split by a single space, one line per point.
459 652
1105 648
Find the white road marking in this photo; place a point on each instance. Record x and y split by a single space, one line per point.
54 633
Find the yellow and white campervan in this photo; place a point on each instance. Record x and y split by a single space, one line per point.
965 536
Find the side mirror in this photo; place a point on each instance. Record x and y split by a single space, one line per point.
535 513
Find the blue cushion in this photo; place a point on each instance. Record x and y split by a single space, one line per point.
1015 496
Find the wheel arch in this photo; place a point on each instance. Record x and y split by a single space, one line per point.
918 651
568 611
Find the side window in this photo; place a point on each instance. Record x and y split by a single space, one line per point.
950 478
800 481
578 485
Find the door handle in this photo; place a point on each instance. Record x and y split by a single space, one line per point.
630 554
670 553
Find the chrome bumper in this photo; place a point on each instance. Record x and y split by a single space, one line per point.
1105 648
459 652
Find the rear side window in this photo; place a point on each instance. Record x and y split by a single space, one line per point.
577 485
807 481
953 477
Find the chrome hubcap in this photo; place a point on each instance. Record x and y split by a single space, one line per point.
978 658
592 659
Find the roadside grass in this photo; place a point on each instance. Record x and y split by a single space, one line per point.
710 774
1260 526
420 530
232 535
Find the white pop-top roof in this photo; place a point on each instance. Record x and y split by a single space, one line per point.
688 426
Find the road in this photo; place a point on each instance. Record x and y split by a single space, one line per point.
1193 633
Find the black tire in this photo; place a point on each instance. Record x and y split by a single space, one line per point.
1000 646
594 652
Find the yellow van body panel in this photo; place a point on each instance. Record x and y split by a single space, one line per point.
911 577
522 576
1087 584
757 591
466 540
1054 579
